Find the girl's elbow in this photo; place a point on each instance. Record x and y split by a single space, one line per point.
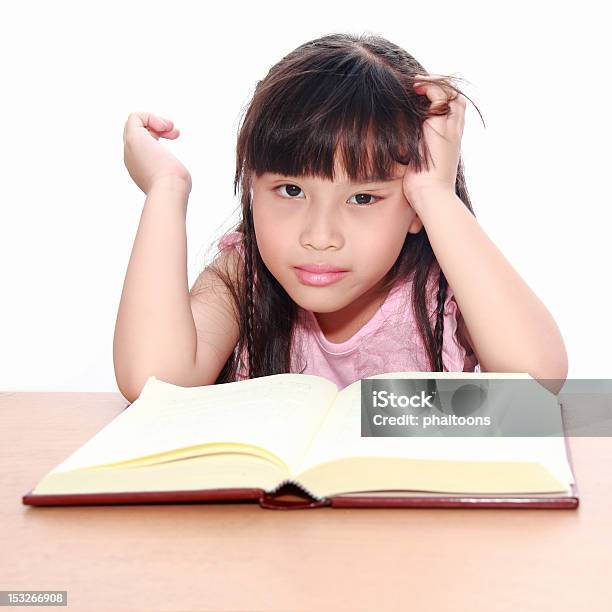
552 371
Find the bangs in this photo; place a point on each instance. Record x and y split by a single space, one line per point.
353 114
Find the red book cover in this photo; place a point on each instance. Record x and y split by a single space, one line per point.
291 496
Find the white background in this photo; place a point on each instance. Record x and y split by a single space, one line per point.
538 174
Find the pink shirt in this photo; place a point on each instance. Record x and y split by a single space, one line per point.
388 342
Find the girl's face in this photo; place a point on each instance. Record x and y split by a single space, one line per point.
359 227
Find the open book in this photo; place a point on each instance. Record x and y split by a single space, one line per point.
254 439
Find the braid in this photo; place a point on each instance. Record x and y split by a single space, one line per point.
249 294
439 329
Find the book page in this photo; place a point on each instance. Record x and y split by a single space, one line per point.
279 413
340 436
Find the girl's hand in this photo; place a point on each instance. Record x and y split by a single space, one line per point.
443 135
144 157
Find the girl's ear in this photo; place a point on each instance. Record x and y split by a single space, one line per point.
416 226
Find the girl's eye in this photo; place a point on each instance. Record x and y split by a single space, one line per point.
366 195
293 190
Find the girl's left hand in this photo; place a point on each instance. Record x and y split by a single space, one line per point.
443 135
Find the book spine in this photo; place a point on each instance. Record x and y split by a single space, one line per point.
273 500
294 483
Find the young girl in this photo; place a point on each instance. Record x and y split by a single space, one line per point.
357 251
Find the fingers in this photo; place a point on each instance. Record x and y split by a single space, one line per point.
437 94
157 125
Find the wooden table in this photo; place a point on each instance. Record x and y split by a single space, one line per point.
241 557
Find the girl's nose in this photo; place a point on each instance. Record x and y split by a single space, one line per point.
322 225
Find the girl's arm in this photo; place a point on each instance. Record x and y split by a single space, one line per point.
506 324
155 332
163 329
509 328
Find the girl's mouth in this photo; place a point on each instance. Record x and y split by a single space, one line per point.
319 279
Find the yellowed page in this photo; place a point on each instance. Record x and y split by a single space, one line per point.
366 474
216 471
277 414
340 436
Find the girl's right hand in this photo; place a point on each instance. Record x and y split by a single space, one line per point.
146 160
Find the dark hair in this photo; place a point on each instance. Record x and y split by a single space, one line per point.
329 96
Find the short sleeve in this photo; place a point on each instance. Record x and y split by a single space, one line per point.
243 366
227 240
455 357
231 238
